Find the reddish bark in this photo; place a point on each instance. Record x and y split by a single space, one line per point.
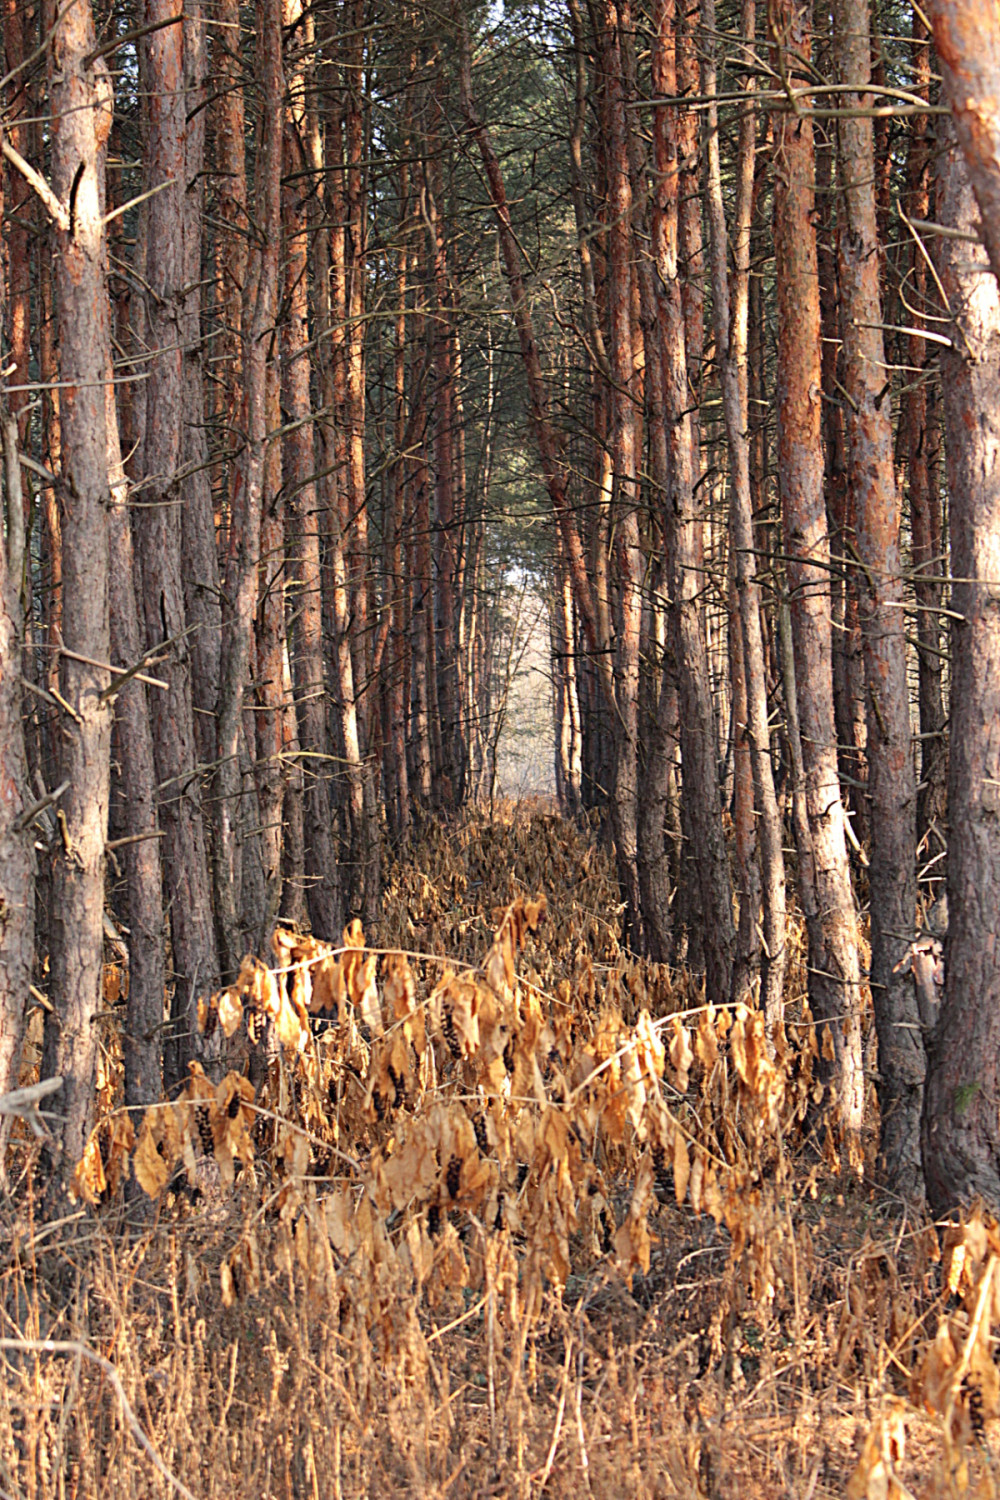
871 477
702 811
158 538
824 875
299 469
761 821
967 40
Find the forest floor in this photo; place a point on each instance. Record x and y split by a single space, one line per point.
505 1213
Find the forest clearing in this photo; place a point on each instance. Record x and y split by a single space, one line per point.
499 754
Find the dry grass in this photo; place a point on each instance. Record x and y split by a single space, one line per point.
763 1349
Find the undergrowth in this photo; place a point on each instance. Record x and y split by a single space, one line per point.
488 1209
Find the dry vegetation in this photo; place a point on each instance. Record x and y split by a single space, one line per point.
500 1212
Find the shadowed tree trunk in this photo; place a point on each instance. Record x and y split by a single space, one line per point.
961 1137
158 539
240 583
615 23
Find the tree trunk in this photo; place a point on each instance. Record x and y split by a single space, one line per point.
871 477
142 1043
824 874
918 440
730 297
241 573
299 470
967 39
703 813
615 25
961 1137
17 860
158 540
81 117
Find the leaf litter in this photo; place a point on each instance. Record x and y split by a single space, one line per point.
487 1206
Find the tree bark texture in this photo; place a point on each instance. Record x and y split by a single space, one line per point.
961 1136
823 870
81 101
871 477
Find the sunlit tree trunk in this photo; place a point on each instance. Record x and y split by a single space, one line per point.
871 476
683 528
823 870
730 296
17 861
299 470
80 100
967 40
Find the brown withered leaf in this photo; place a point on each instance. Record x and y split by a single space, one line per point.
681 1055
706 1042
88 1181
632 1242
365 995
158 1149
230 1010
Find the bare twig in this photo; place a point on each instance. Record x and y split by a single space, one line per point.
83 1351
23 1103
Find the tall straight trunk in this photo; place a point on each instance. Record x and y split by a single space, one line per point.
21 206
299 469
80 100
158 537
967 40
871 476
227 116
240 582
615 25
17 860
918 422
657 741
730 297
848 662
703 813
824 873
142 1043
199 553
961 1138
272 778
446 521
396 741
366 854
333 316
